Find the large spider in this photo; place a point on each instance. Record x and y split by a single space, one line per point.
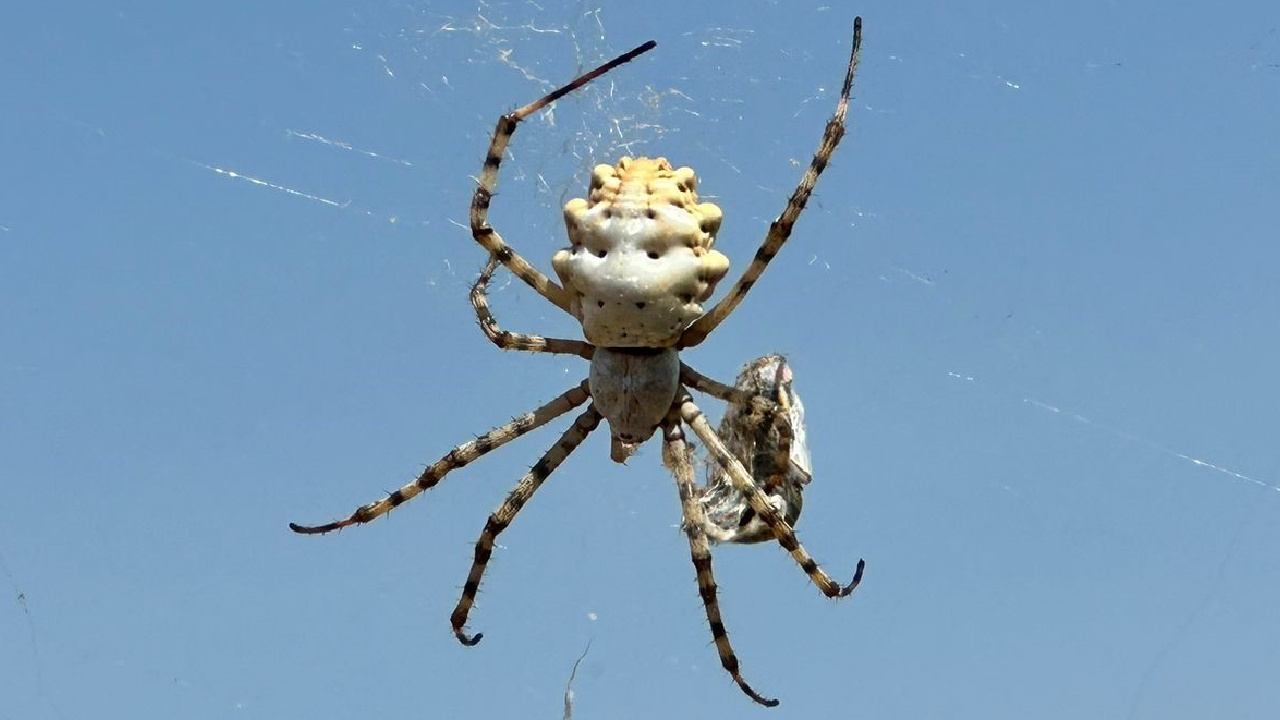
639 265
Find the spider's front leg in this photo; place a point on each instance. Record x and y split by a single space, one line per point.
502 517
481 230
507 340
743 482
459 456
678 459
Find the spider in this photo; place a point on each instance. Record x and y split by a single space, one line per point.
639 265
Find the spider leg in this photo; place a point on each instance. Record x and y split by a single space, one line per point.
780 230
481 230
507 340
759 409
759 432
459 456
743 482
677 456
749 401
502 517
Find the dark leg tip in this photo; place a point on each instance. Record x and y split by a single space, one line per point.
305 529
847 590
468 640
317 529
765 701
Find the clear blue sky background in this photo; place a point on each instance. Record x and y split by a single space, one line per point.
1033 310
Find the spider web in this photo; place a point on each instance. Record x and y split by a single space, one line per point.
551 160
1031 312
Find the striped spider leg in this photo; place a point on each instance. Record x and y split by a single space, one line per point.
502 517
507 340
481 230
458 457
678 458
742 481
770 445
781 228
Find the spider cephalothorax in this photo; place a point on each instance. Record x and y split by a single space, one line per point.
639 266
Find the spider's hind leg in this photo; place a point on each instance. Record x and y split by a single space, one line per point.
481 230
780 230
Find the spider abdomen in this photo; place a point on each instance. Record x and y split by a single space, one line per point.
633 390
640 261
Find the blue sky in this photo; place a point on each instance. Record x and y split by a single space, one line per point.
1032 310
